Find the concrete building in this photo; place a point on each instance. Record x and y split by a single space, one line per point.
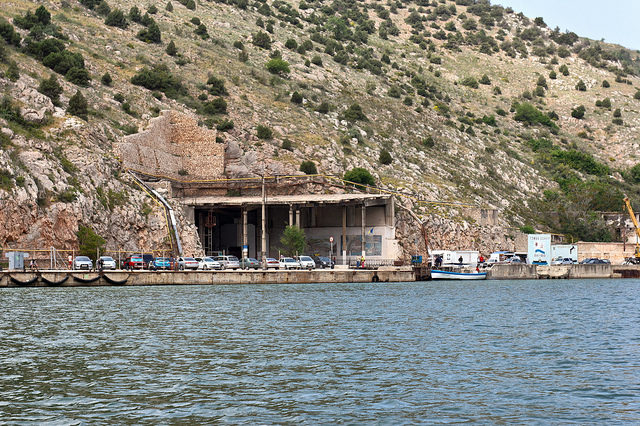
230 224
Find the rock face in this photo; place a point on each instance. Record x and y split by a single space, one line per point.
174 145
37 106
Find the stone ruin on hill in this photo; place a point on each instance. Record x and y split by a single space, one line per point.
174 145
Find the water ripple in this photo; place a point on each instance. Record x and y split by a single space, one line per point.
526 351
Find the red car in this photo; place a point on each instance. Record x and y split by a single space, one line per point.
133 262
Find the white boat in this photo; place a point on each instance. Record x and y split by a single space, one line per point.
437 274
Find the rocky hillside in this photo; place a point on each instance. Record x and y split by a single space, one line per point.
458 101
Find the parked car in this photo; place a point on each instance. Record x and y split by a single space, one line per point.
82 262
514 259
306 262
562 261
595 260
249 263
106 262
133 262
323 262
162 263
187 263
272 263
289 263
228 262
208 263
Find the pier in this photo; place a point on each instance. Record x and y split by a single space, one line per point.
140 278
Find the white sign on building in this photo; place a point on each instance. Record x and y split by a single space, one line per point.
539 249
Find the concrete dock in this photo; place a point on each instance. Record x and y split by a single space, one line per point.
138 278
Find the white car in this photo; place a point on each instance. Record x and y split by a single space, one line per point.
272 263
187 263
306 262
228 262
208 263
289 263
82 262
107 262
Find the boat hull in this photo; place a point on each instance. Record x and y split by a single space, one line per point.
450 275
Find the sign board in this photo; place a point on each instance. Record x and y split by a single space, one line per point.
330 239
539 249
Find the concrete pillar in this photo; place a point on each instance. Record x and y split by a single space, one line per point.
290 215
390 211
314 221
362 228
190 213
245 237
298 218
344 235
263 228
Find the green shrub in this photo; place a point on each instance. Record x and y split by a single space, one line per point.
634 173
564 70
264 132
171 49
119 97
527 113
359 175
159 78
485 80
90 242
578 112
527 229
78 76
296 98
385 157
286 144
316 60
216 106
581 86
201 30
278 66
190 4
354 113
169 7
469 82
262 40
308 167
51 88
293 241
116 18
637 95
151 34
540 145
553 75
428 142
617 113
291 44
216 86
106 79
78 106
580 161
134 15
605 84
225 125
103 8
323 108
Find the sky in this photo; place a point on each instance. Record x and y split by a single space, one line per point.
615 21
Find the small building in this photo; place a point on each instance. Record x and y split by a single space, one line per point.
452 257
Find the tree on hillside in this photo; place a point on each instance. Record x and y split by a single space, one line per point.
359 175
51 88
78 106
308 167
116 18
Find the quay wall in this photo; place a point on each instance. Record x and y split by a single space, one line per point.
579 271
139 278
